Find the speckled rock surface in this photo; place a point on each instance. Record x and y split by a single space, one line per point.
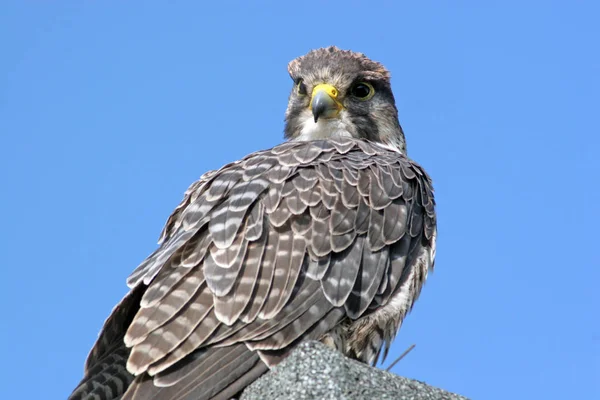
314 371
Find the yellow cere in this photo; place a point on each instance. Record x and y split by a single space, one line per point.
330 90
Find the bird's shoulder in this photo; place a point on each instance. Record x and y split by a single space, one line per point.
295 160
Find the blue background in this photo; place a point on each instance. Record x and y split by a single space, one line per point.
108 111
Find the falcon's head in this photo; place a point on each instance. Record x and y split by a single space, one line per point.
342 93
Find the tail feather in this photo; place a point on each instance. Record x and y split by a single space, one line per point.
240 384
106 376
215 373
212 374
109 385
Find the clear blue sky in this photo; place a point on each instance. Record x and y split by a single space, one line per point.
108 111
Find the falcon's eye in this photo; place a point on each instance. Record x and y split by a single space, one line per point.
362 91
301 87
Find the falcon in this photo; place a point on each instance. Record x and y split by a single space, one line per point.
328 236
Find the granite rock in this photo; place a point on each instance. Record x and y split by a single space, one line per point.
313 371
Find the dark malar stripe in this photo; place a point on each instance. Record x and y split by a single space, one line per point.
366 127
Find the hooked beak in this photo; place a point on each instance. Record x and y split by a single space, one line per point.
324 102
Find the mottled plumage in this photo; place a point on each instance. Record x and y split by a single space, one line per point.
328 236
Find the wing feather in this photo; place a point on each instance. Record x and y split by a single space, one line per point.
280 274
339 279
265 278
153 316
394 221
279 247
229 307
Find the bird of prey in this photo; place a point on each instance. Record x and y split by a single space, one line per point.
328 236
